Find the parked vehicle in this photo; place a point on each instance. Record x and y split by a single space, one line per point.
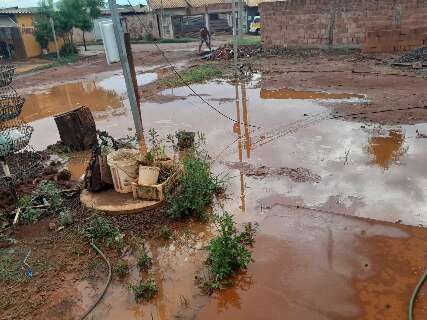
255 26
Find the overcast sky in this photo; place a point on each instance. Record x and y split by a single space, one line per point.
33 3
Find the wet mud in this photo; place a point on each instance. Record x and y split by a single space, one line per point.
339 235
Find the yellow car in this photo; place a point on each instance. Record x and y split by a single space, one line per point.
255 26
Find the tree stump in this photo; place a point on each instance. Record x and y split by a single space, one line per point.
77 129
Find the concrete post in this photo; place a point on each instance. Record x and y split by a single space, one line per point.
207 23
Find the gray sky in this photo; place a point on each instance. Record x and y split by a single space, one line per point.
33 3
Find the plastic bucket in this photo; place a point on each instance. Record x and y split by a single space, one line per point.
124 168
148 176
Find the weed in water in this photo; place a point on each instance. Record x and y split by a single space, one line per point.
196 190
144 290
65 218
145 262
195 74
165 233
228 251
99 229
121 269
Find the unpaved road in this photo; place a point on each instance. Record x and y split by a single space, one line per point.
329 248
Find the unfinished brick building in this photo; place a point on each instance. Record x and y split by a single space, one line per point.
373 25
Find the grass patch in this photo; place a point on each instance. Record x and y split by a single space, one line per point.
250 41
46 192
121 269
66 218
196 190
228 251
144 290
195 74
57 63
145 262
165 233
100 230
10 268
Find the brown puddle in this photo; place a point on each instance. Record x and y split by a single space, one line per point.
287 93
364 269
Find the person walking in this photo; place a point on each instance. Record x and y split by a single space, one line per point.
205 37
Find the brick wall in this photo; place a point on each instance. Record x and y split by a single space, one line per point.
374 25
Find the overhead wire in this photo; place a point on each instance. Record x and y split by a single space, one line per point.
181 78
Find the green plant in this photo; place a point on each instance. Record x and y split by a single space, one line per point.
145 262
195 74
99 229
144 290
121 269
49 191
157 146
10 267
228 251
196 190
66 218
165 233
148 160
68 49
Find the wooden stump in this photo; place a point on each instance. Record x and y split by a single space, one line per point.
77 129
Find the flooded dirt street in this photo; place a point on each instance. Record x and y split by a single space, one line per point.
340 200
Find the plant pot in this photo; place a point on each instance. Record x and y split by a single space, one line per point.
148 176
164 162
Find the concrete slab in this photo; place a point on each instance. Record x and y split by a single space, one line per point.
114 203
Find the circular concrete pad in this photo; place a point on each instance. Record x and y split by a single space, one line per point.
112 202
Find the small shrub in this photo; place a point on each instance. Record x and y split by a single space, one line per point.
52 194
31 215
195 191
228 251
99 229
68 49
165 233
144 290
121 269
65 218
145 262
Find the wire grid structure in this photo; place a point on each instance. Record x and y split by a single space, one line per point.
18 160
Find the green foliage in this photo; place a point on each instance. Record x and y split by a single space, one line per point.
99 229
228 251
66 218
144 290
45 191
10 267
157 144
68 49
145 262
196 190
165 233
195 74
250 41
121 269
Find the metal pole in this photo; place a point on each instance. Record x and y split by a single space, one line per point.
233 12
52 25
118 31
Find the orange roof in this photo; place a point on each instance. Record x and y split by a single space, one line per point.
170 4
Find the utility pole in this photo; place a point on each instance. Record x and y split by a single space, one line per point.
52 25
234 21
240 19
162 29
118 31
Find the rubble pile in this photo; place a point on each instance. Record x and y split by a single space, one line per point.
226 52
417 55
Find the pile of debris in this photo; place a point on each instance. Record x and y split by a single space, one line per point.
417 55
226 52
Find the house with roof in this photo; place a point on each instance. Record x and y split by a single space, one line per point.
17 40
183 18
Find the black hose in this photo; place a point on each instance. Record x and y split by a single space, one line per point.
106 285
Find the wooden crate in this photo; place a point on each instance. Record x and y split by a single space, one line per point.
155 192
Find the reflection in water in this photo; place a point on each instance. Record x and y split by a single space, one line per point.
67 97
246 140
387 149
286 93
230 298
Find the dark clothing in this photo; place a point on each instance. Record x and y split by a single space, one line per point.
204 34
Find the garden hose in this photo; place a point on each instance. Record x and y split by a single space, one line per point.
106 285
414 296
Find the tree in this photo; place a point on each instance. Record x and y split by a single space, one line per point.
43 29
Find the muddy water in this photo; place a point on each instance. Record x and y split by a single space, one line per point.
104 98
364 269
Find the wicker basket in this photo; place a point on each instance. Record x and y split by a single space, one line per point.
6 74
14 137
10 104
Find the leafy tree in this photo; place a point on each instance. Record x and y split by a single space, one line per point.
42 26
